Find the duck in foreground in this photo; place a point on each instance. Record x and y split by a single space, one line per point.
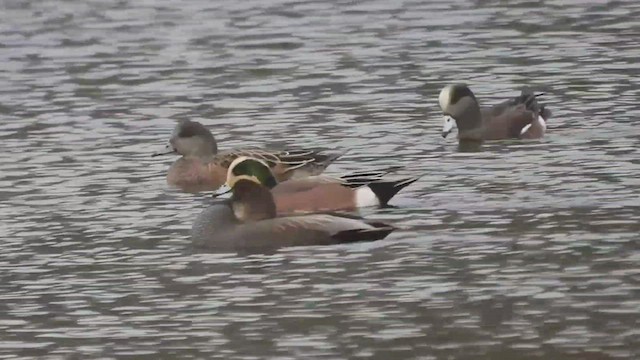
323 193
203 168
518 118
247 222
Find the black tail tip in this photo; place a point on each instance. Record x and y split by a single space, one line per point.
545 113
386 190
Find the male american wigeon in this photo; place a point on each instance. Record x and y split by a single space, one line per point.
203 168
322 193
247 222
518 118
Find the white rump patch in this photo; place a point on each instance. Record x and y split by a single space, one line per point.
365 197
542 123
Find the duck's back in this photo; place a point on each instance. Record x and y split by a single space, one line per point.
505 120
303 184
322 197
520 117
284 164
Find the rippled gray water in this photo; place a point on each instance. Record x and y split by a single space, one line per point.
521 251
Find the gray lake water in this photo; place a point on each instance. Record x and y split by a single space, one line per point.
521 251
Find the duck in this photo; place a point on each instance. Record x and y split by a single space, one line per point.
203 167
518 118
347 192
248 222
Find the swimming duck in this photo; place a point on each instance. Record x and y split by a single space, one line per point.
323 193
518 118
248 222
203 167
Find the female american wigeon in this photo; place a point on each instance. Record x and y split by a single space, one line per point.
518 118
247 222
322 193
203 168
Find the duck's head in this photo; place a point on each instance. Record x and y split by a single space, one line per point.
191 138
250 180
460 108
250 169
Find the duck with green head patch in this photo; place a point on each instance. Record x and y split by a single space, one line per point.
323 193
518 118
248 222
203 167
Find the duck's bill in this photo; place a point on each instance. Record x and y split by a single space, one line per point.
166 151
224 189
448 125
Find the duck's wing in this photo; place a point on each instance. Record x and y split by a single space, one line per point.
284 163
352 179
512 117
327 229
303 230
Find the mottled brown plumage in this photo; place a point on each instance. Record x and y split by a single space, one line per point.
203 168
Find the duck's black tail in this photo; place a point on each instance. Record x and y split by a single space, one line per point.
530 101
387 189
